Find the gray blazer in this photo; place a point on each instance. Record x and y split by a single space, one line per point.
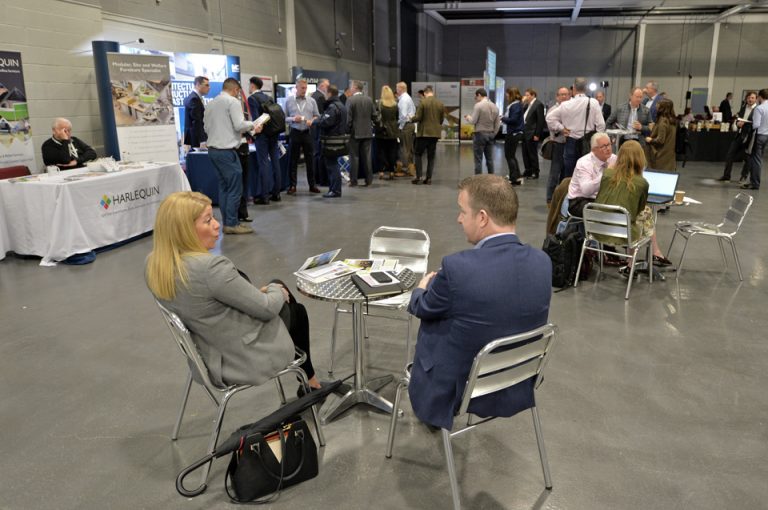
361 115
620 115
236 327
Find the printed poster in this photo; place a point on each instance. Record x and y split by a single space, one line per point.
449 92
16 147
144 115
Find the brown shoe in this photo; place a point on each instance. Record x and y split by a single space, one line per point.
292 190
428 181
314 189
412 170
239 229
400 173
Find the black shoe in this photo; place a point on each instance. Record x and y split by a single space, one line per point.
661 261
724 179
416 181
332 194
246 219
427 181
275 198
748 186
527 174
260 201
534 176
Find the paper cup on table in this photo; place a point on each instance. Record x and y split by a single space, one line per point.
679 195
52 169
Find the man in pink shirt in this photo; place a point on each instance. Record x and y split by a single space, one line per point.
585 182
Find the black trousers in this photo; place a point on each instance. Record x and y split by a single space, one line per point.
511 142
302 141
242 153
733 151
386 153
531 157
428 144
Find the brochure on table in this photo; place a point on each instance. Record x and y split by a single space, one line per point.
324 267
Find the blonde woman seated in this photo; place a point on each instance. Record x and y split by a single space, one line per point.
242 331
624 185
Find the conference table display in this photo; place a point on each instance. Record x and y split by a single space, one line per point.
344 290
203 177
55 216
710 145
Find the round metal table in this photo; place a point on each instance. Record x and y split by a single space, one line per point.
343 290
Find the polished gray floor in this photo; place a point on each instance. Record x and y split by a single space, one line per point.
656 402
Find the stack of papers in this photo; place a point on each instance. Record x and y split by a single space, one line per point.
322 268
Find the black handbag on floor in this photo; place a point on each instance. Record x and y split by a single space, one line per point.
264 464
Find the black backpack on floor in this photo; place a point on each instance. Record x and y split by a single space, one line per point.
564 250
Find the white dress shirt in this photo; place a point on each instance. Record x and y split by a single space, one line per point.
572 114
406 109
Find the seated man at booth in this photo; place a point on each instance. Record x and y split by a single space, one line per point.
588 173
64 150
501 287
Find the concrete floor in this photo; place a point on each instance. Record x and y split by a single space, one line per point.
656 402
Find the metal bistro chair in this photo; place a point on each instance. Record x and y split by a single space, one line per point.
725 230
613 221
198 372
501 364
410 247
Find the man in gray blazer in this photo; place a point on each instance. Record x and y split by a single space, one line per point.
361 114
631 115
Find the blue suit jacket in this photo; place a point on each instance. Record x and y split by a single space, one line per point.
653 106
479 295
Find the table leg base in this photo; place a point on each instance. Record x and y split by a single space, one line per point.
366 395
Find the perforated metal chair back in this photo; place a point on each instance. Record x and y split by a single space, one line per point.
607 220
410 246
506 362
188 347
736 213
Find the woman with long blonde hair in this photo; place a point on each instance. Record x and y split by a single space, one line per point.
624 185
386 133
241 330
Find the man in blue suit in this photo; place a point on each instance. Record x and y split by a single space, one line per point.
652 88
501 287
194 132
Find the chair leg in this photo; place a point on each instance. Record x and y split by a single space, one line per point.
184 398
215 435
578 268
302 376
333 336
542 450
631 274
408 341
280 390
393 421
602 257
682 257
722 251
451 468
649 259
669 250
736 258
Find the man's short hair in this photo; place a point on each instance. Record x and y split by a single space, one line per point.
301 80
633 89
428 88
256 82
402 85
532 92
333 90
763 93
481 92
357 85
59 120
230 84
494 194
199 80
323 81
580 84
729 94
654 85
596 139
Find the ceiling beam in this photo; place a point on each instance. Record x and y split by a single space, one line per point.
605 21
576 9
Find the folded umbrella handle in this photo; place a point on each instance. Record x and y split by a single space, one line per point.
187 470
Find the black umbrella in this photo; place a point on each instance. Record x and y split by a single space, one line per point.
263 426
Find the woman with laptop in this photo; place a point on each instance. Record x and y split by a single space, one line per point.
624 185
245 334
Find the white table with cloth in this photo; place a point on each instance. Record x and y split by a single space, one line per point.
55 216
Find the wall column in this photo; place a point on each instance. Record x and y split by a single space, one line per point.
713 62
290 35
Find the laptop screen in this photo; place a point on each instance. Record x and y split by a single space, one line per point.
661 184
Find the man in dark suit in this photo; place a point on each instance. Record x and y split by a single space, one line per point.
361 114
654 97
605 107
194 132
741 137
725 107
533 118
500 288
321 173
429 125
